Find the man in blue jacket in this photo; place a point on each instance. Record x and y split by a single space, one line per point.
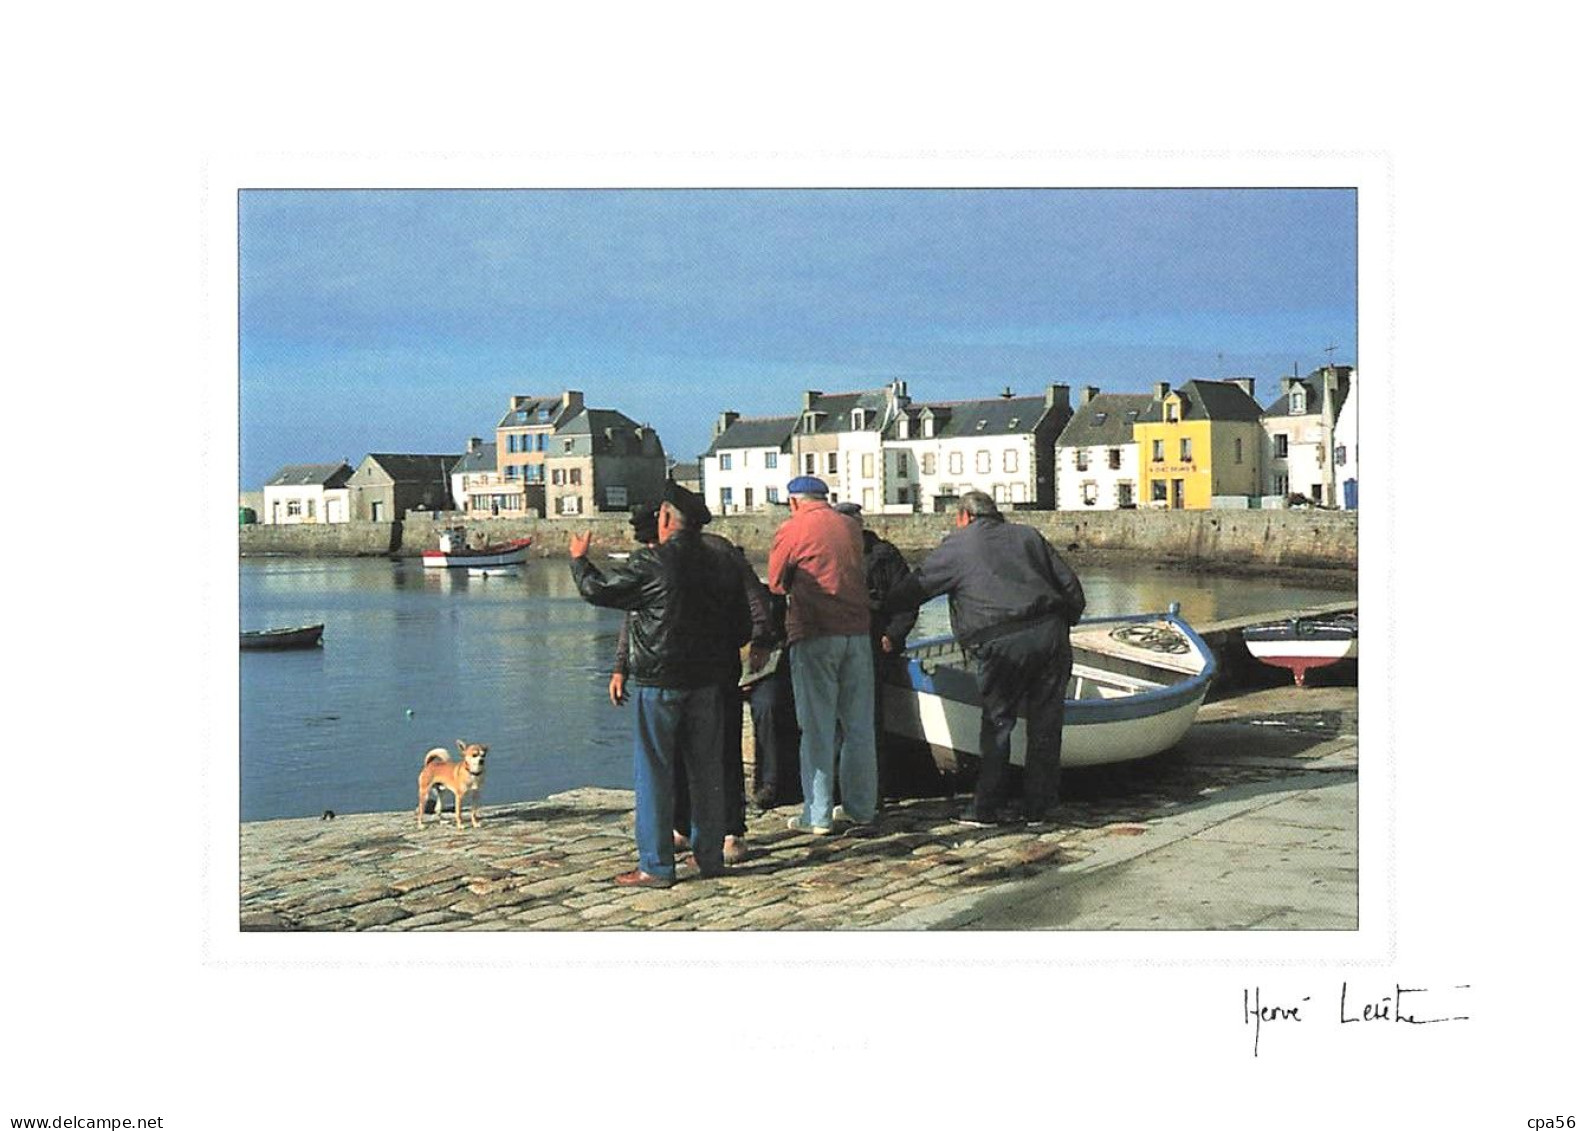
1011 600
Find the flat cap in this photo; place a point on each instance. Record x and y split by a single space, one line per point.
690 505
807 485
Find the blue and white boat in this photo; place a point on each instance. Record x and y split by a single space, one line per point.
1136 685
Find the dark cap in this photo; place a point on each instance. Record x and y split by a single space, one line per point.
807 485
850 509
690 505
645 521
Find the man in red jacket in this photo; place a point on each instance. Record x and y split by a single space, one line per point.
817 560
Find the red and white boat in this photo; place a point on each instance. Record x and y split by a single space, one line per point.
1303 643
455 553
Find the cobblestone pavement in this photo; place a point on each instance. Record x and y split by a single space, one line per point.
548 865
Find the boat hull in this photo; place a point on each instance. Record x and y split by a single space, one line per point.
276 639
1302 645
1110 716
514 553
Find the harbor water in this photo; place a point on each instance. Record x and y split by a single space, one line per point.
415 658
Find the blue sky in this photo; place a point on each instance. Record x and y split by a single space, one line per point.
403 320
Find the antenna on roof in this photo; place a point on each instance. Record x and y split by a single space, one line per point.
1007 392
1328 350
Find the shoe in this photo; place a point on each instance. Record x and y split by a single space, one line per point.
679 841
733 850
641 879
840 817
972 820
765 799
797 825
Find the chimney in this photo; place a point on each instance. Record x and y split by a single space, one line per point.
724 422
474 443
1248 384
572 401
1160 390
1288 384
1088 393
1057 396
810 397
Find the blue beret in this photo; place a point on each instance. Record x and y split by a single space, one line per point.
807 485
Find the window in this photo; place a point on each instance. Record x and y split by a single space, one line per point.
1171 411
1087 491
534 473
1114 459
541 440
809 463
772 495
999 492
867 466
955 463
903 464
1186 450
1081 459
831 463
1126 494
725 462
567 445
512 441
903 428
1297 401
310 511
294 508
1280 484
558 477
770 460
1010 460
522 416
857 420
1157 455
928 463
982 461
545 415
512 471
930 426
616 496
726 498
576 477
748 498
1280 446
1159 490
1340 455
1239 450
572 504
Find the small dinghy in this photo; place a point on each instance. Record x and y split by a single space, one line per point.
1303 643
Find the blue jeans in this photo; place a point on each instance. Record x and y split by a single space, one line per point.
673 724
834 693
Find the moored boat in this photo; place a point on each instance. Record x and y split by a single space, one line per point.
1303 643
306 636
454 552
1136 685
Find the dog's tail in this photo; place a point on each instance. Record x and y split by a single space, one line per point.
439 754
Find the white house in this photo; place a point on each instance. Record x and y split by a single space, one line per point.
307 493
1300 427
838 436
749 463
1346 446
1097 458
1002 446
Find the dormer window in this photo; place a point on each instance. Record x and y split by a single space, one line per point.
857 420
1170 412
1100 418
1013 425
930 426
1297 402
903 428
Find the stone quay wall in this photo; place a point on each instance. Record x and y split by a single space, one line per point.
1282 539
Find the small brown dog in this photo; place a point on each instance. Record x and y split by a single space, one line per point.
462 778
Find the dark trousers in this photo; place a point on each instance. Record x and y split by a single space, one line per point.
1030 666
731 769
776 739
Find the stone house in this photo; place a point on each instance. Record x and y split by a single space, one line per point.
1097 462
600 460
838 437
749 463
307 493
386 486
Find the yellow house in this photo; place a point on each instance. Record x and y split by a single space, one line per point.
1206 444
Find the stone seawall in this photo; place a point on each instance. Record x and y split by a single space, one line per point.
1296 539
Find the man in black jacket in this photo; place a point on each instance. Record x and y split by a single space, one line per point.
1011 600
690 617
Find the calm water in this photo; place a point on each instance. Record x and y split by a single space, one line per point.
415 658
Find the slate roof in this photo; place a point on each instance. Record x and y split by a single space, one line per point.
532 404
472 463
414 468
328 475
1116 424
756 432
1217 400
1313 394
998 416
610 433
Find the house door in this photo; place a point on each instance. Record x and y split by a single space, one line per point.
376 511
1178 494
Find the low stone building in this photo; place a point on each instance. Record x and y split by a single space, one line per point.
385 486
600 460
